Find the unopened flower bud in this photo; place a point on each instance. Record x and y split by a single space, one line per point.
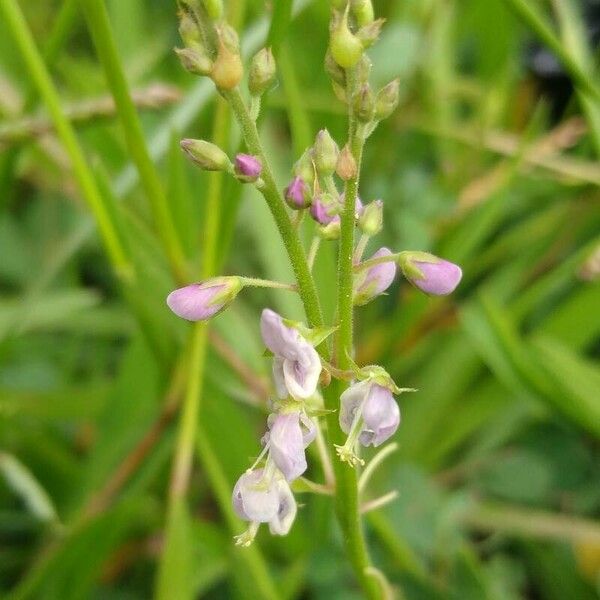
297 194
369 34
372 282
363 70
325 153
247 167
331 231
363 11
344 46
371 219
340 92
207 155
429 273
387 99
364 104
227 69
262 72
194 61
213 8
324 209
201 301
346 165
188 29
304 167
334 70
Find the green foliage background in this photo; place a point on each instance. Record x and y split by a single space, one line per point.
498 464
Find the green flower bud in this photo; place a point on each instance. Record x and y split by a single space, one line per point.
369 34
227 69
334 70
387 99
344 46
330 231
208 156
339 91
194 61
213 8
364 104
363 11
188 29
262 72
370 221
346 165
304 167
325 153
363 70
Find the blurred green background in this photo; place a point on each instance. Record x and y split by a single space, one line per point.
491 161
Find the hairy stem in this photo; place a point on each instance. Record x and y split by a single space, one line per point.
291 240
346 498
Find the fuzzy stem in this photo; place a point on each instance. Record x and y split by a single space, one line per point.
267 283
371 262
346 498
291 240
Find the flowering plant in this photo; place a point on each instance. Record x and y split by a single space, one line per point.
313 370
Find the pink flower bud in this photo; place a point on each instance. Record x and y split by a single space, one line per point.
297 194
372 282
323 212
200 301
247 167
429 273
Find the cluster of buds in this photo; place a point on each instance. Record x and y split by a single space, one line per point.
262 494
214 51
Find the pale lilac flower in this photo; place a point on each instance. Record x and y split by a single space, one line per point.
282 521
369 411
255 498
297 194
200 301
248 166
296 364
289 435
261 497
430 274
372 282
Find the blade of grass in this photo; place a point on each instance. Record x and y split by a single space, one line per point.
100 29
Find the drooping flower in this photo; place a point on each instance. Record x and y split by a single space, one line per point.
200 301
296 364
247 167
255 497
372 282
429 273
369 414
289 435
263 496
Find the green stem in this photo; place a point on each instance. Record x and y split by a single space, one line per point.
371 262
267 283
291 240
100 29
85 179
346 497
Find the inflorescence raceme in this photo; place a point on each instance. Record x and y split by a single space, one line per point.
368 410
